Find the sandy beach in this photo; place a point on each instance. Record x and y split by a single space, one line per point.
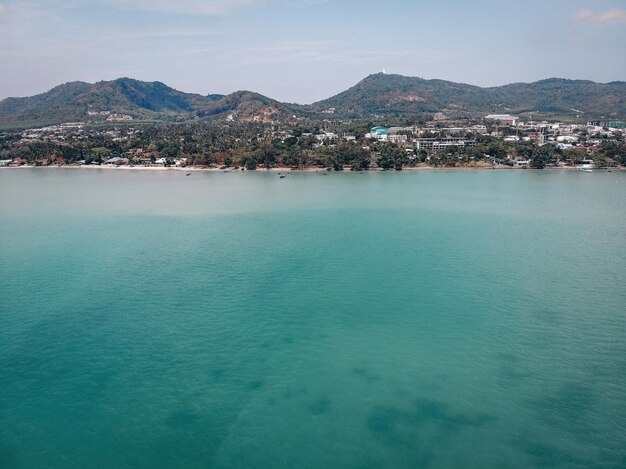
288 169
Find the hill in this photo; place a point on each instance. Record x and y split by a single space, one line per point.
404 97
246 106
379 95
73 101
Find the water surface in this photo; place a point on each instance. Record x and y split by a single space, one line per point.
443 319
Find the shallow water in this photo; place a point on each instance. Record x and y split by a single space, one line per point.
444 319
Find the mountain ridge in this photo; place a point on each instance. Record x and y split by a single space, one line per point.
377 95
396 95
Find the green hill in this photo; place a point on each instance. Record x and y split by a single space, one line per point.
400 96
391 96
73 101
78 101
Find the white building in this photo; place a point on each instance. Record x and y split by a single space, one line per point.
504 119
442 143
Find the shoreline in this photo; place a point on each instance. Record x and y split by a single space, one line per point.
304 169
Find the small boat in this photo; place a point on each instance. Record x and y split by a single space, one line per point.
585 168
282 176
188 174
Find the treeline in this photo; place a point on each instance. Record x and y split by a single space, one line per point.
258 145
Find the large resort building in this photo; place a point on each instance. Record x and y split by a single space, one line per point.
442 143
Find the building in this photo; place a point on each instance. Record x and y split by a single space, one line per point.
442 143
400 134
567 139
503 119
116 160
479 129
380 133
616 125
397 138
327 137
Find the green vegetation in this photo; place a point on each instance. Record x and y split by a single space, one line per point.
416 98
264 146
399 99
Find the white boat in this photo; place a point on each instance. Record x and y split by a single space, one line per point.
586 168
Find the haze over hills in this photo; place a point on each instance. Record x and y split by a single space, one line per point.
392 96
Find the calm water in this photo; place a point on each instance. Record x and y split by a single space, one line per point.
443 319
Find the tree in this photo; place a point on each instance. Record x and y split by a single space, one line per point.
600 162
391 157
542 156
265 156
250 164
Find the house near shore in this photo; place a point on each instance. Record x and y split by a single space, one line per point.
116 160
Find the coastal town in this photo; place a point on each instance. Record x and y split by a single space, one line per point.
493 141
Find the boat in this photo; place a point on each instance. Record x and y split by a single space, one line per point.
586 168
282 176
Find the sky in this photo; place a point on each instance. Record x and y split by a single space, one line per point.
306 50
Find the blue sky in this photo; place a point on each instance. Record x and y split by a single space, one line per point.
306 50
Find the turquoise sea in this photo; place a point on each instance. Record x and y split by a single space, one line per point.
462 319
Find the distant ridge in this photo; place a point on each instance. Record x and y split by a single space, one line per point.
400 96
381 94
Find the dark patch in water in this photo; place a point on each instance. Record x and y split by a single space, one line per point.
428 410
218 374
287 339
320 406
254 385
508 357
399 427
512 373
548 456
192 438
383 420
181 418
568 409
510 368
364 373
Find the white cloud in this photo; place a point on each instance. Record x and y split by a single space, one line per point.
611 16
186 7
